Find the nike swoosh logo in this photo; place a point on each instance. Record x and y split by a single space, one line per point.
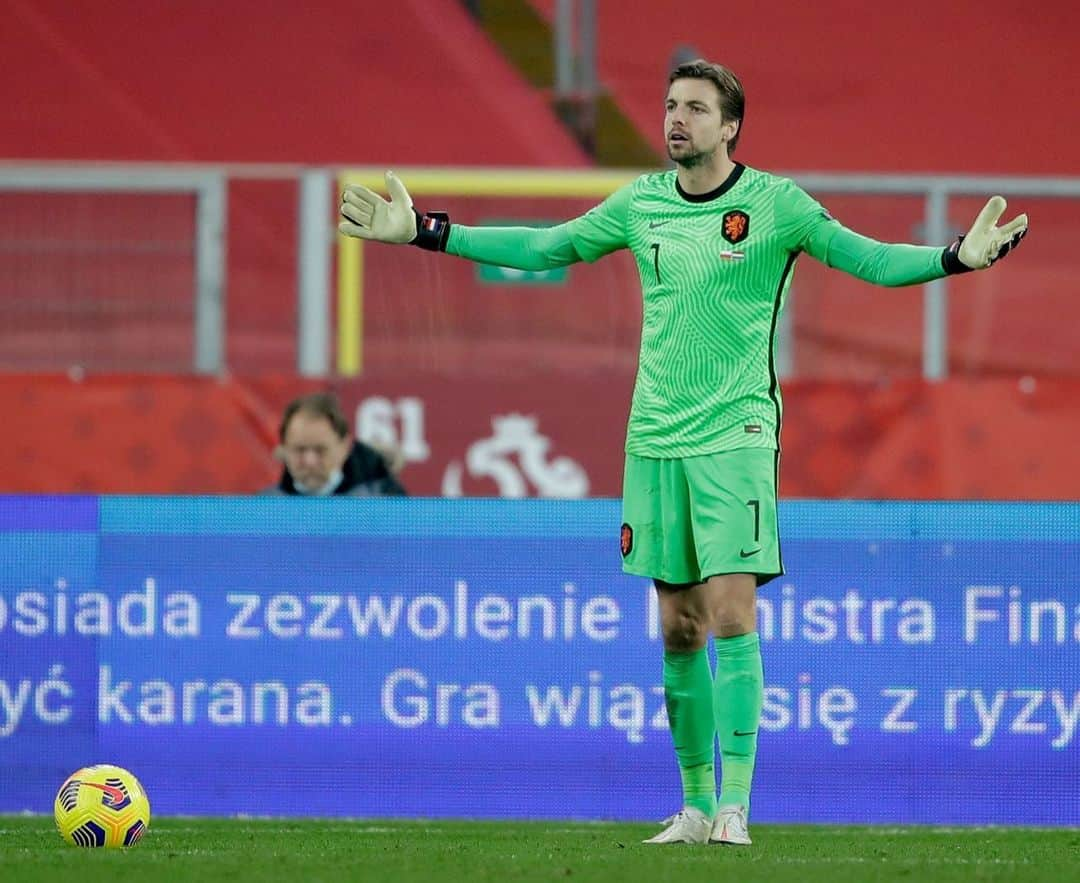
115 795
744 554
748 733
654 224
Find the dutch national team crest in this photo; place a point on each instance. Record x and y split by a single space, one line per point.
736 226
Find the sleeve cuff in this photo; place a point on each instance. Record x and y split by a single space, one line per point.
950 259
432 230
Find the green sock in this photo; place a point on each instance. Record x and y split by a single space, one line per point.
740 686
688 695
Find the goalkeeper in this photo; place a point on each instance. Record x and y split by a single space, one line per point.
715 243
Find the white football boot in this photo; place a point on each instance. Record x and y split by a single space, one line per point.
688 825
729 826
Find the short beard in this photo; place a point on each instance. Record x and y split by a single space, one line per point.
693 160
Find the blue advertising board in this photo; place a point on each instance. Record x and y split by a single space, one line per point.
488 658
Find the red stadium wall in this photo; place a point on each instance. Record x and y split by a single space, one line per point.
339 82
967 86
990 439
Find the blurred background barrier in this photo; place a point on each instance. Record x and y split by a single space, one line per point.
451 657
522 436
112 269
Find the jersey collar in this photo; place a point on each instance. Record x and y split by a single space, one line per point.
736 173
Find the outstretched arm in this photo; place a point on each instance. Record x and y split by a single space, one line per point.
523 248
880 263
367 215
808 227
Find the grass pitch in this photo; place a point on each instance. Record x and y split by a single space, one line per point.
336 851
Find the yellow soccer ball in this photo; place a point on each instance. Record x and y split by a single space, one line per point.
101 805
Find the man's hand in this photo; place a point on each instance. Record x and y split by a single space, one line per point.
985 243
368 216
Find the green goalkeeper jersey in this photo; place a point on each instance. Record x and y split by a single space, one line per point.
715 269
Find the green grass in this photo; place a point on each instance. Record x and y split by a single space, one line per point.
181 849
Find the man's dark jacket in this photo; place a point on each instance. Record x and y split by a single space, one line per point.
364 474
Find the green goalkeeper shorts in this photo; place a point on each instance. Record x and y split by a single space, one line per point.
687 519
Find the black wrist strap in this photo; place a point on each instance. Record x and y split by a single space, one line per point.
432 230
950 259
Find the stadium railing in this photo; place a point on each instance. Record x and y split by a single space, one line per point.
927 208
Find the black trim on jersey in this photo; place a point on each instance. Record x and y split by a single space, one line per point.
715 193
773 385
773 382
776 497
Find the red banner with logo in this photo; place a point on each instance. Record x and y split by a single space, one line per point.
547 434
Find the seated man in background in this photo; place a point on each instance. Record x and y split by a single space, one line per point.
322 459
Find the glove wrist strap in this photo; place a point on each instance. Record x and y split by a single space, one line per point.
950 259
432 230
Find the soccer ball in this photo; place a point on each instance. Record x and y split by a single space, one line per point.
101 805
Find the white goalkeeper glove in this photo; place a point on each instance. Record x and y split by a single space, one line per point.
368 216
985 243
